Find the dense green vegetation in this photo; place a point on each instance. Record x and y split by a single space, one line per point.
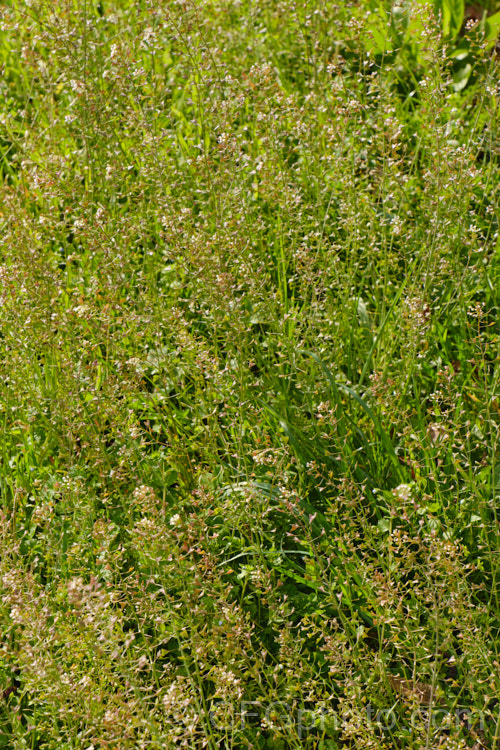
249 393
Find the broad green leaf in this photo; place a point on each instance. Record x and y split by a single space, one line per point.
363 316
492 27
379 32
461 77
452 16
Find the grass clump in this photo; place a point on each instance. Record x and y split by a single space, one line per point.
250 276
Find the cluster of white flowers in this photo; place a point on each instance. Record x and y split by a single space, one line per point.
404 492
175 520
